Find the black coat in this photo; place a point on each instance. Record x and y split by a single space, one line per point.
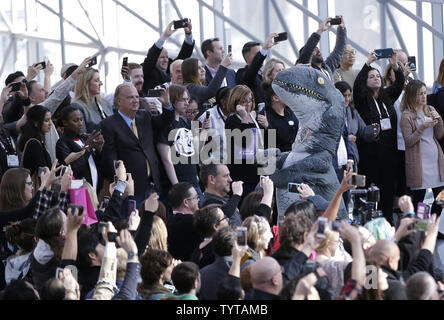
153 76
35 156
249 76
122 144
66 145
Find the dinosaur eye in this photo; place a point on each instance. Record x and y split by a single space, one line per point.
321 80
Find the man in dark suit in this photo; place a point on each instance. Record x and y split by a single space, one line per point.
156 64
128 137
250 74
213 52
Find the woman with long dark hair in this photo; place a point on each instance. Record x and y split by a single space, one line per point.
32 140
374 103
422 128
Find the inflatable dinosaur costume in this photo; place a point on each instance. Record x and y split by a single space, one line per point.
320 109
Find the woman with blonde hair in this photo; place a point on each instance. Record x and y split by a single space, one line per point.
243 117
87 98
422 128
258 239
159 235
271 69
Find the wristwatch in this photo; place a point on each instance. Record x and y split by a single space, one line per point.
131 255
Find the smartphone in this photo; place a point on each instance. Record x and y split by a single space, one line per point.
131 206
15 86
105 201
241 237
421 225
411 62
335 225
207 114
229 48
125 62
112 236
40 171
281 37
293 187
75 206
322 223
335 21
384 53
43 64
154 93
181 23
423 211
358 180
59 273
93 62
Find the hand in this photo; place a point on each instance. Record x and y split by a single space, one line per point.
430 123
44 178
129 184
126 241
51 178
349 232
269 42
108 228
168 31
206 124
440 196
403 229
240 109
311 241
324 26
433 227
349 166
405 204
342 25
227 60
268 186
125 73
237 188
344 184
371 58
305 191
66 179
49 69
352 138
378 129
81 68
73 156
434 114
164 98
237 253
394 60
262 120
72 289
23 92
152 108
189 27
73 220
152 203
121 171
134 220
305 288
93 139
5 94
33 71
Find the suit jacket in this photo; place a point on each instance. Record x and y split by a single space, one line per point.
80 167
249 76
230 76
122 144
212 275
153 76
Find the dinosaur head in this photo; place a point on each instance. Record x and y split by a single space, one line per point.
317 104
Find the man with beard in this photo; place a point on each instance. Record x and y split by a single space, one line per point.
311 51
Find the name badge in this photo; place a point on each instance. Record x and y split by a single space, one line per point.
385 124
13 161
291 123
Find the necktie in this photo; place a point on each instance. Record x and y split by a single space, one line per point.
136 133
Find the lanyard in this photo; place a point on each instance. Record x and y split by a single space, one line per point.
221 114
379 111
102 113
7 143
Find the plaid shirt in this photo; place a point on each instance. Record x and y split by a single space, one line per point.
351 291
45 199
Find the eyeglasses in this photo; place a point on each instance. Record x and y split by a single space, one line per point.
196 197
225 217
30 183
191 111
350 52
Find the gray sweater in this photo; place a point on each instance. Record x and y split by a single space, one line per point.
91 115
203 93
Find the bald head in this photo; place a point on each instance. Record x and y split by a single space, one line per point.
266 275
385 252
421 286
402 57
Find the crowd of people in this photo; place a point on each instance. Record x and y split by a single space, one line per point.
162 212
